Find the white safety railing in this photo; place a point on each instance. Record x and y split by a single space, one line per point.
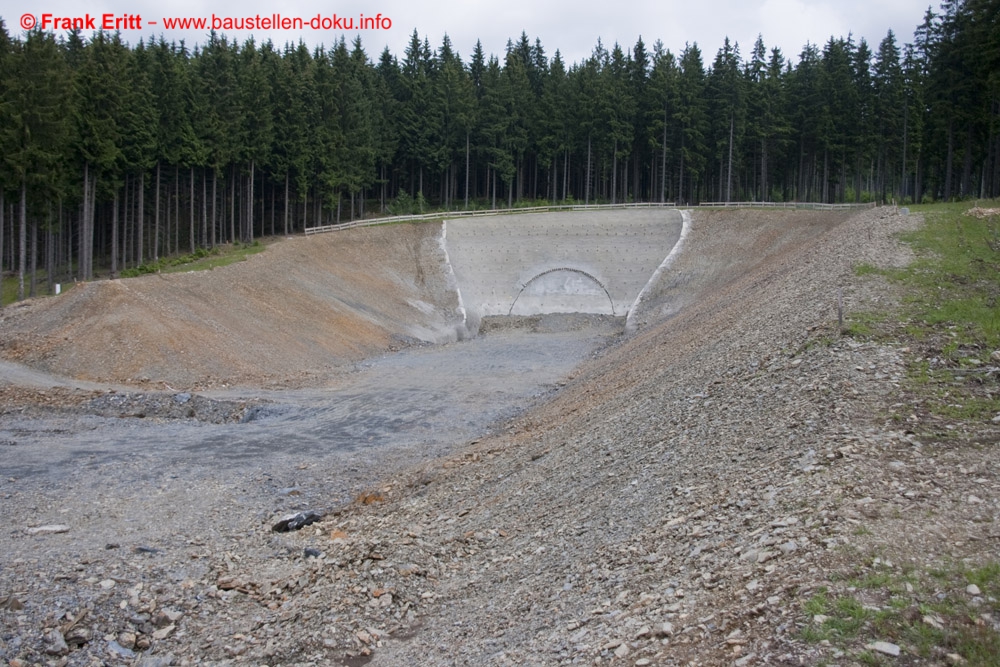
479 213
567 207
788 204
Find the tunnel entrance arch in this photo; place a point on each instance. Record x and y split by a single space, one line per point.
567 284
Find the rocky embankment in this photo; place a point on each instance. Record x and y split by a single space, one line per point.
678 502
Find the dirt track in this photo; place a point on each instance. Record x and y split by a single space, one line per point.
677 500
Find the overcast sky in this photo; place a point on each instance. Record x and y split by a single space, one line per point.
573 27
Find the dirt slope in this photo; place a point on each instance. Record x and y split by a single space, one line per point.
678 502
301 308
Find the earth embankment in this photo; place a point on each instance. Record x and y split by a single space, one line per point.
680 497
288 316
308 307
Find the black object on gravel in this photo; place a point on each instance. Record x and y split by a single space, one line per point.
296 521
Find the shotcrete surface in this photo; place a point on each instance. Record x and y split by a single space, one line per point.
568 262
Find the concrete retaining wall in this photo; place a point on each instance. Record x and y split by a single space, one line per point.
585 262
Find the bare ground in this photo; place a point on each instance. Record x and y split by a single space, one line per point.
304 308
677 502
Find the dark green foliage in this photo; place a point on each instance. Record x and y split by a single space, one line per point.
124 154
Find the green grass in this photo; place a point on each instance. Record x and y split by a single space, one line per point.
950 317
864 269
956 277
930 619
862 325
8 287
201 260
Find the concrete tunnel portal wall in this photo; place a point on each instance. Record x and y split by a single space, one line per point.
562 290
568 262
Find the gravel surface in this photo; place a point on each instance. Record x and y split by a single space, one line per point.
674 502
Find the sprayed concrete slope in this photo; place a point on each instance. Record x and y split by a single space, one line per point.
573 262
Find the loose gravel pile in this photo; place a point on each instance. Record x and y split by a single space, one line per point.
675 503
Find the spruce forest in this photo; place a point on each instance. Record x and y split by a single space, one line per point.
115 156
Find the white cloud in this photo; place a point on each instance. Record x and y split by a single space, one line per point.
571 27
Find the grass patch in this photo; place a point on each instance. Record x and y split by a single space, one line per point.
8 287
950 318
203 259
956 275
863 325
865 269
928 614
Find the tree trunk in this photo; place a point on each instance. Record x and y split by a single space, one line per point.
66 231
966 185
114 237
949 159
763 171
566 176
139 219
125 218
177 211
191 235
89 236
34 258
680 174
250 205
625 182
156 218
22 239
466 169
81 254
167 201
903 175
204 208
232 206
286 203
614 174
826 176
215 205
663 163
50 258
729 174
586 197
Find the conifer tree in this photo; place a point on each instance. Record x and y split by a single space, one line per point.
38 133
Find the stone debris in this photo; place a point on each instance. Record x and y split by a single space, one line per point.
48 530
697 488
885 647
56 643
11 603
296 521
981 212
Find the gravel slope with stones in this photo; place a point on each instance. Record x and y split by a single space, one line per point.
675 503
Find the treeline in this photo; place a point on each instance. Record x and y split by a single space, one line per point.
126 154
